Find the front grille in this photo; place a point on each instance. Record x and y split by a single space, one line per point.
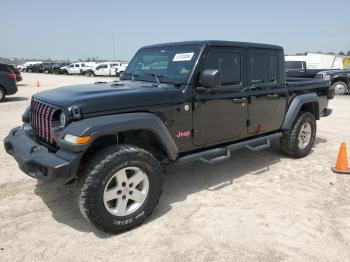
41 120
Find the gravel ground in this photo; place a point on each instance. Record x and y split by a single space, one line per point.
256 207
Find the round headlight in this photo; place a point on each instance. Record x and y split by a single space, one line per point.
63 119
326 77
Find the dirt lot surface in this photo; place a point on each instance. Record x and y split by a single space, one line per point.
256 207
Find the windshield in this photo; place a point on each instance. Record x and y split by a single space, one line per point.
172 64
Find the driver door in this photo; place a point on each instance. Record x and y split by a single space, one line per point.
220 113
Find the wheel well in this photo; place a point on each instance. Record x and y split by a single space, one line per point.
144 139
2 88
311 107
341 79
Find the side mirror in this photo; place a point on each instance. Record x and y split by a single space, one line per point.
210 78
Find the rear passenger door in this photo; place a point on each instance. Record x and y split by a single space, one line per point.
267 92
76 69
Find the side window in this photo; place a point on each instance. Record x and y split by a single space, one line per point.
77 65
294 65
103 66
228 62
4 68
263 68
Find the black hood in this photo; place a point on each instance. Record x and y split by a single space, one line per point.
335 71
99 97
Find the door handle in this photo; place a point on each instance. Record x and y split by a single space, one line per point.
239 100
274 96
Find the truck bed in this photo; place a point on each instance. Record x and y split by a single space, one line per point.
304 85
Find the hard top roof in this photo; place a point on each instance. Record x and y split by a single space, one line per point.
217 43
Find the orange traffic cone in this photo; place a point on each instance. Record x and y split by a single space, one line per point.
342 166
37 83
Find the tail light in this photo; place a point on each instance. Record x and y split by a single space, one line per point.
331 93
11 76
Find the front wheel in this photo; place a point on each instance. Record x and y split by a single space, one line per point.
2 94
340 88
298 141
120 188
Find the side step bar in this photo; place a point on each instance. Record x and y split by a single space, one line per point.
214 156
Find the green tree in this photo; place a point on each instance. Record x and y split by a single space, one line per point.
341 53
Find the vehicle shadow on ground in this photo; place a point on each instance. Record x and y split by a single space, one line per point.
179 183
15 99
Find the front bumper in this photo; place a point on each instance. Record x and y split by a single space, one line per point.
34 159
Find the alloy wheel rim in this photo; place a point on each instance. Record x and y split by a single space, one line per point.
304 137
340 89
126 191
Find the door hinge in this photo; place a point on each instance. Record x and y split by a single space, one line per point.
197 106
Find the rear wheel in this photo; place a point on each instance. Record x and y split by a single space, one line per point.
2 94
340 88
120 188
298 141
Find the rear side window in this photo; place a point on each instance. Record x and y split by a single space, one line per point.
294 64
228 62
4 68
77 65
263 68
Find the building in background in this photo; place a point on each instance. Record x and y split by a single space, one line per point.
321 61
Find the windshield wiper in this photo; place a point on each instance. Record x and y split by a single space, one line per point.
132 76
156 77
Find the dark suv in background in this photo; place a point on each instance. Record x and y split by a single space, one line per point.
8 83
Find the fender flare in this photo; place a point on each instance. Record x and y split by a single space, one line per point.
111 124
295 107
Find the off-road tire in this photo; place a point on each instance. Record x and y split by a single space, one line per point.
343 88
100 168
2 94
290 142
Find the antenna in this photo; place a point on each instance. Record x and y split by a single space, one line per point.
113 47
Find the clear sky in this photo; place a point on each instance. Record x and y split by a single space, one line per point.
80 29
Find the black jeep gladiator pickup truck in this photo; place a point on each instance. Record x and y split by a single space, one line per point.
175 103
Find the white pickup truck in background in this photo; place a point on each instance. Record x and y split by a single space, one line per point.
107 69
77 68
